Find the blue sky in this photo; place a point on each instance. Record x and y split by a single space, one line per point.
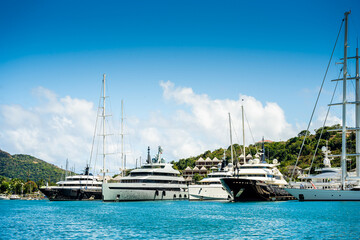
273 51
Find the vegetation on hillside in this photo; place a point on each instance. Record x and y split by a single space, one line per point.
26 168
286 152
18 186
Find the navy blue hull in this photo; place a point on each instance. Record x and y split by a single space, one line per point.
62 194
244 190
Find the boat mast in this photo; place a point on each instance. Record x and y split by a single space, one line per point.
243 126
357 115
103 117
343 152
66 168
231 144
122 136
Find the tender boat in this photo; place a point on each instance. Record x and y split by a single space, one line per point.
4 197
15 197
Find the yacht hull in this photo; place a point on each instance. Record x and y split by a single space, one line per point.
118 192
215 192
71 194
324 195
244 190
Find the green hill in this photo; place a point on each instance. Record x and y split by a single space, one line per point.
286 152
26 167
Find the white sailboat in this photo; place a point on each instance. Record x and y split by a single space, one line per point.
347 191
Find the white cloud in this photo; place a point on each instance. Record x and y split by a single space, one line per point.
53 131
60 128
200 123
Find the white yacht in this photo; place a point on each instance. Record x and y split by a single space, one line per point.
210 188
77 187
156 180
349 187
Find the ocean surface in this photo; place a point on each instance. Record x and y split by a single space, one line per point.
43 219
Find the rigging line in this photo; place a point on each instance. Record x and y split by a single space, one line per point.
94 136
234 130
234 148
97 154
317 100
100 123
322 130
250 131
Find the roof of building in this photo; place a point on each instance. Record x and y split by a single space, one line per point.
216 160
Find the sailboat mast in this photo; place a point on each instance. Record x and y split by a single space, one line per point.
103 116
243 126
231 144
66 168
343 152
357 115
122 136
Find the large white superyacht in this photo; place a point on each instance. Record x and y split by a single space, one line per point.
155 180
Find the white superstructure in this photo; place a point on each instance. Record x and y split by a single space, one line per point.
77 187
155 180
80 182
254 169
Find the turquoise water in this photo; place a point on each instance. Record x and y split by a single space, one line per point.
179 220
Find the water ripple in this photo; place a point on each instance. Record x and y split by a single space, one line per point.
179 220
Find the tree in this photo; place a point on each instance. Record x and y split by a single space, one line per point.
304 133
16 185
5 187
197 177
30 187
